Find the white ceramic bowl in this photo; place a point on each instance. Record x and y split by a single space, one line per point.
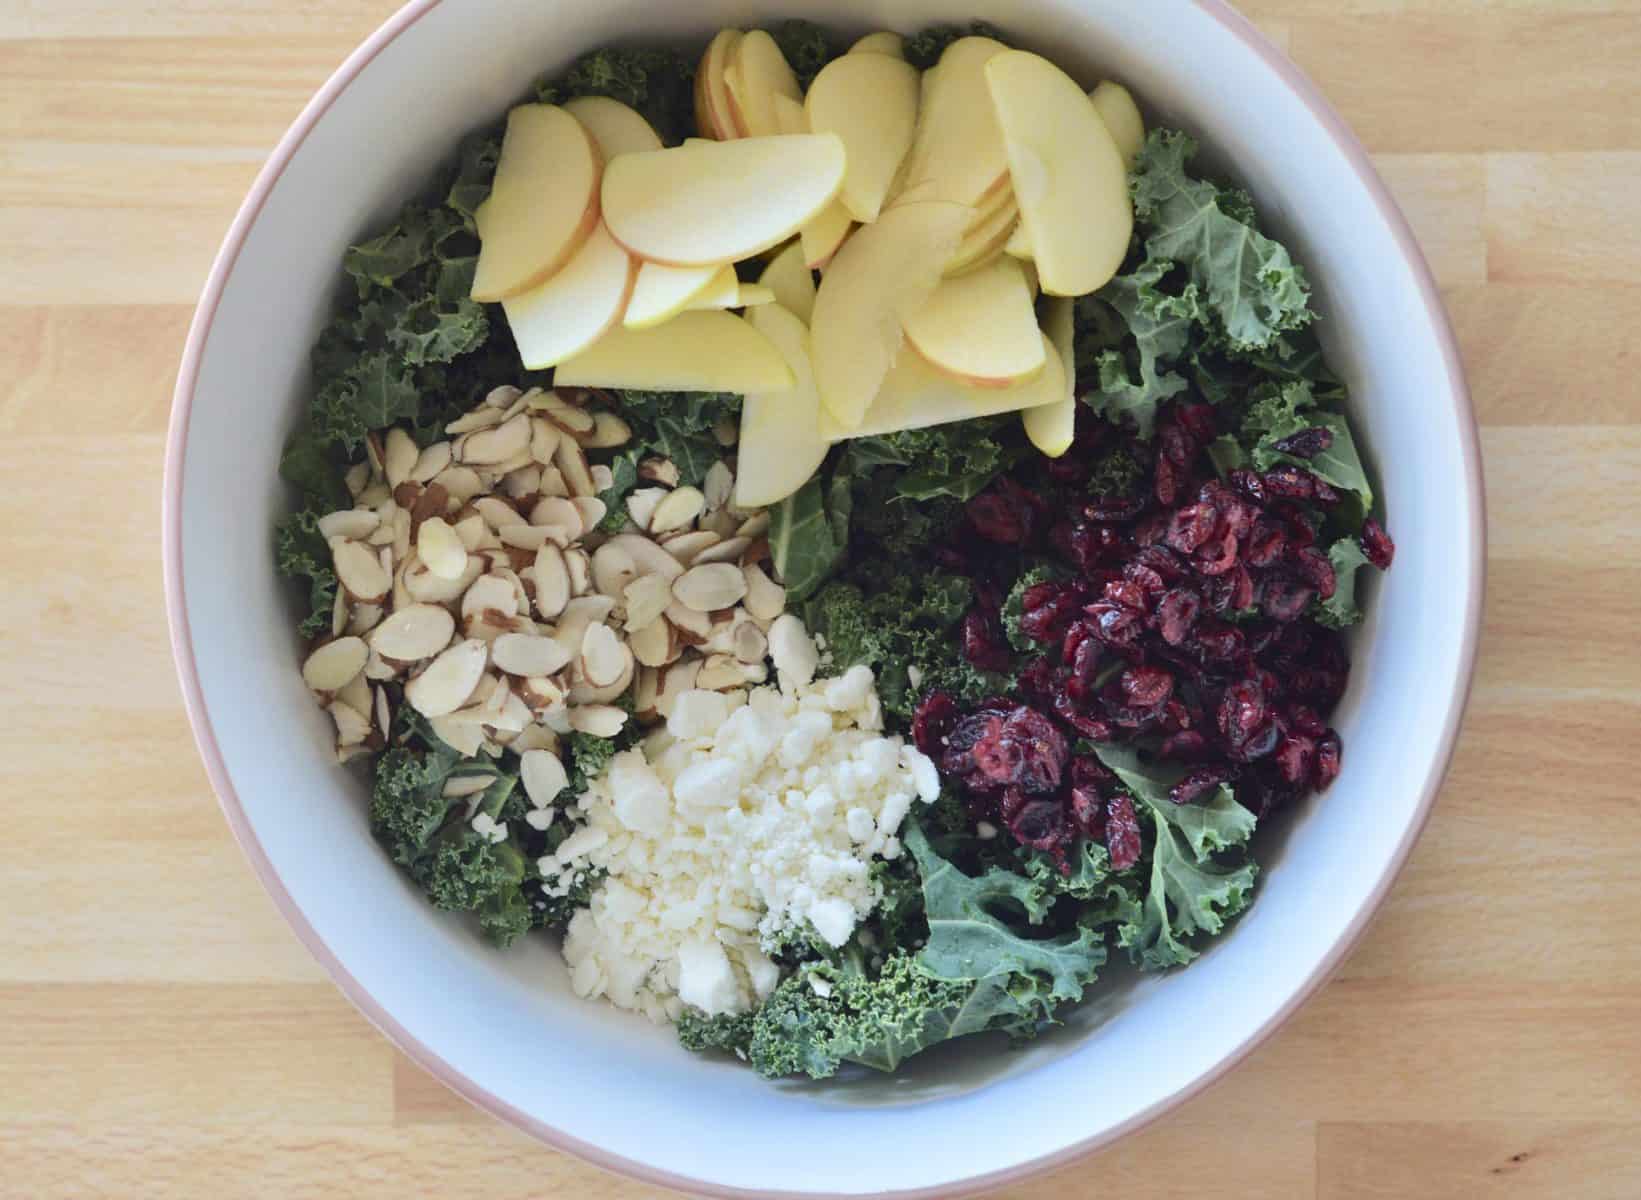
504 1029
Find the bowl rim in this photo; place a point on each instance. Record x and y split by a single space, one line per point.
1306 93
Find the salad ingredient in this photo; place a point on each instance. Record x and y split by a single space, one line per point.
721 291
821 236
614 127
701 351
789 278
1122 118
987 234
883 274
781 444
757 73
981 327
870 101
1066 172
543 204
751 816
713 113
957 152
715 202
655 81
1052 427
883 42
661 292
575 307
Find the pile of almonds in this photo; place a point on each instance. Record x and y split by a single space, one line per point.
476 585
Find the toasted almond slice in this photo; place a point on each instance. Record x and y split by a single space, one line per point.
504 396
357 477
332 666
496 512
399 455
652 644
727 551
515 714
464 737
674 682
757 553
581 571
353 523
721 521
571 418
754 526
608 432
600 720
543 775
544 440
793 650
433 502
480 418
613 569
592 510
352 726
460 483
687 544
718 485
366 617
644 693
526 654
749 643
523 483
552 581
359 568
659 470
571 460
430 462
647 597
413 633
693 627
765 599
339 612
375 492
584 692
441 549
677 510
578 614
552 482
401 538
719 673
560 511
649 558
472 531
642 503
449 679
711 587
601 658
490 594
424 587
459 787
528 537
541 692
379 669
489 447
384 715
373 453
603 477
726 432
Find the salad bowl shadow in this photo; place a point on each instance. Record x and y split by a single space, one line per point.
505 1030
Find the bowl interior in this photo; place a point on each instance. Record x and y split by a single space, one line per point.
505 1029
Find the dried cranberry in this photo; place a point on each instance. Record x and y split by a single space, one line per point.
1242 710
1196 785
1010 802
1177 612
1304 720
998 759
1084 722
1165 482
1295 757
1122 832
1232 591
1042 747
1049 620
1329 751
958 756
1039 680
1316 569
1199 420
1116 624
1217 641
1128 594
1187 744
1248 483
1161 561
1150 529
1147 687
1081 650
1266 544
1290 482
1174 445
933 719
1307 443
981 645
1041 825
1088 811
1259 743
1005 513
1191 526
1376 544
1090 773
1039 594
1286 599
1114 508
1152 583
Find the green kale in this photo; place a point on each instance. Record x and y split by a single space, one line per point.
1131 382
659 83
1278 411
677 426
804 542
1117 472
726 1033
300 552
1341 609
923 49
1013 604
807 48
590 755
955 460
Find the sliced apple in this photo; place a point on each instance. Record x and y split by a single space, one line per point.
718 202
984 242
543 205
981 328
884 274
789 278
1068 175
958 145
720 291
575 307
757 73
713 113
1051 427
754 295
1122 119
780 443
914 395
710 351
822 236
661 292
615 128
1018 245
883 42
870 101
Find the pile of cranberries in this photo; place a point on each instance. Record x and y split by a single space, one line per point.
1181 623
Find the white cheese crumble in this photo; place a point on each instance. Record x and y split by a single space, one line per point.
748 814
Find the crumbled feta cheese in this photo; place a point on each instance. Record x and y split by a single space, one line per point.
540 818
489 828
747 815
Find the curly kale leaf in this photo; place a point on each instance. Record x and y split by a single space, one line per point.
923 49
1131 381
1278 411
300 551
725 1033
1341 609
659 83
955 460
676 426
1014 602
804 541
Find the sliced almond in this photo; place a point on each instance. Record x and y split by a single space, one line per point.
674 682
354 523
400 597
521 596
719 673
711 587
693 627
464 737
582 691
543 776
460 483
515 714
399 455
366 617
497 513
424 587
332 666
659 470
360 570
504 397
401 537
608 432
642 503
373 452
413 633
375 492
722 638
599 720
592 510
765 599
558 511
526 654
677 510
518 462
536 736
572 419
339 612
379 669
441 549
571 460
749 644
651 645
528 537
544 440
613 569
541 692
757 553
578 614
472 531
459 787
649 558
601 657
357 477
488 447
580 568
552 483
523 483
603 477
721 521
406 493
717 485
480 418
384 718
449 679
490 594
433 502
647 597
754 526
644 693
727 551
430 462
352 726
687 544
552 581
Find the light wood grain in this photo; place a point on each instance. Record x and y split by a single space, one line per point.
163 1034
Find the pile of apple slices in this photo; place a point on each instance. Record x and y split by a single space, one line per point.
938 206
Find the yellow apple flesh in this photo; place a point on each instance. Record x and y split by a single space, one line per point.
713 112
958 146
614 127
1018 245
984 242
1051 427
1068 176
542 206
1122 119
757 73
661 292
708 351
780 443
870 101
885 273
822 236
789 277
718 202
720 291
882 42
575 307
980 328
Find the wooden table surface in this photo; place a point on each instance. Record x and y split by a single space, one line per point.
163 1034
